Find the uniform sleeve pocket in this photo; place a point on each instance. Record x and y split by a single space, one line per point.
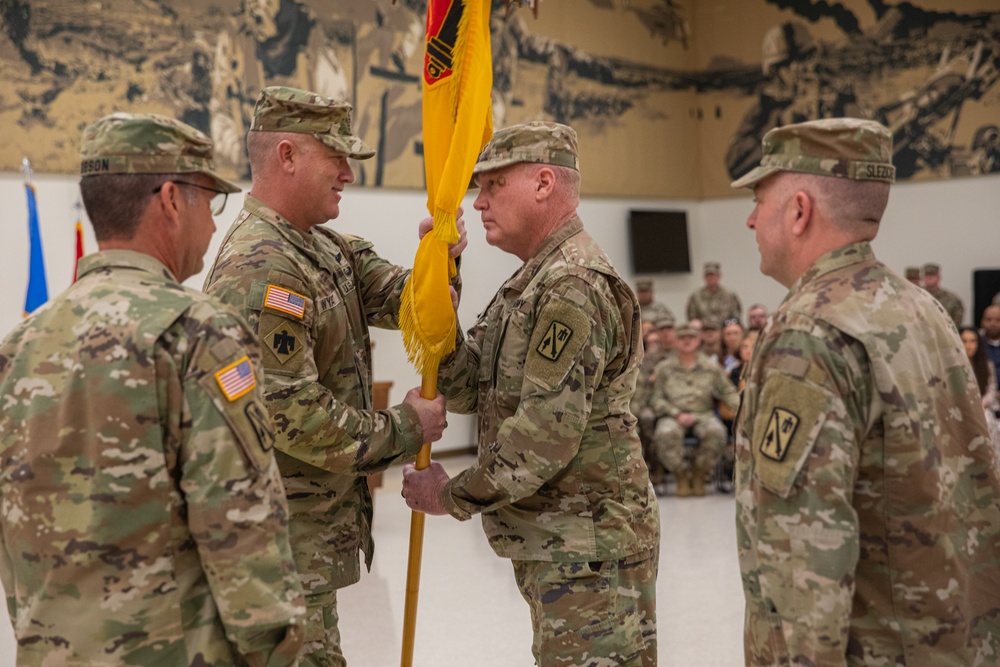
231 388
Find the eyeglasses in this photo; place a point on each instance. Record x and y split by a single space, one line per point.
217 203
731 320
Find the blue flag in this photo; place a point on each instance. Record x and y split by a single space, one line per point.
38 290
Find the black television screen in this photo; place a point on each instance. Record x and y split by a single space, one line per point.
659 242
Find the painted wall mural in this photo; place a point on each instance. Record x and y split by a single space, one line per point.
670 97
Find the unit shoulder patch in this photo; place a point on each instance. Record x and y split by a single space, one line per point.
561 332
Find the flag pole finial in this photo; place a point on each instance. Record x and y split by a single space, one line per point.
26 169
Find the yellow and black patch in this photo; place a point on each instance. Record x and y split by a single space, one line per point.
777 438
790 416
563 329
554 341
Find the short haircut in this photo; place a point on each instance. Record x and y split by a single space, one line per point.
856 207
116 203
260 149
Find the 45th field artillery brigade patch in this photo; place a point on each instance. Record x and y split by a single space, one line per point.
778 435
236 379
554 341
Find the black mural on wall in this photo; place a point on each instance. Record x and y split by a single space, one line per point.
917 71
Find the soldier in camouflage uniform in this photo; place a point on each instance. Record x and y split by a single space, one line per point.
952 304
912 274
685 388
310 295
650 311
663 331
144 519
868 523
550 368
713 300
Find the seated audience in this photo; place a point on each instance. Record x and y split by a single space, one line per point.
732 334
986 379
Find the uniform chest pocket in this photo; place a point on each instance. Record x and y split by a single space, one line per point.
507 345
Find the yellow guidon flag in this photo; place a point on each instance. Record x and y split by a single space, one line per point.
457 123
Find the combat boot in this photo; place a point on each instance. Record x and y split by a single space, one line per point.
697 481
683 483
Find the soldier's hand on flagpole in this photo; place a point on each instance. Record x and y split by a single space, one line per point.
455 249
422 488
432 414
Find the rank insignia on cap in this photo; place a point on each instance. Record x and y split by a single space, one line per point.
778 435
286 301
236 379
555 340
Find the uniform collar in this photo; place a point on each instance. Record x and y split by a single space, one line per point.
564 231
303 240
123 259
852 253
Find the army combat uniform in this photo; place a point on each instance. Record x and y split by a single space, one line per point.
720 304
655 311
693 390
310 297
952 305
868 524
144 518
560 479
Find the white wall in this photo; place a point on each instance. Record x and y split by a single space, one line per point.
954 223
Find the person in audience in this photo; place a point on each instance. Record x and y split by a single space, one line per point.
654 354
310 294
990 330
732 334
651 310
986 377
550 368
746 352
711 339
913 275
952 304
713 300
863 463
144 518
756 317
686 386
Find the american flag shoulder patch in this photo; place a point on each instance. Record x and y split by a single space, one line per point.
285 300
236 379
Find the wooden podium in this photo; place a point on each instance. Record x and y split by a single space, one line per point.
380 396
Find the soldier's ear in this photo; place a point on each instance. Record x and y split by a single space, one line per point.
287 153
801 205
545 181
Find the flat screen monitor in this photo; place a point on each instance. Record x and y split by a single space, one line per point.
659 242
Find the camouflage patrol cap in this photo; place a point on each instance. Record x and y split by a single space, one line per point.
284 109
126 143
713 267
541 142
840 147
932 270
664 322
912 272
686 329
644 284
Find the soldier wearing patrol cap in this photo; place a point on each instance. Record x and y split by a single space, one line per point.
952 304
863 457
713 300
550 368
663 332
685 386
144 520
650 310
310 295
912 274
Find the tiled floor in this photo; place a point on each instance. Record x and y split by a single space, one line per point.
470 613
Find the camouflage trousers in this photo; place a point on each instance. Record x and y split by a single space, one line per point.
669 442
592 614
322 645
